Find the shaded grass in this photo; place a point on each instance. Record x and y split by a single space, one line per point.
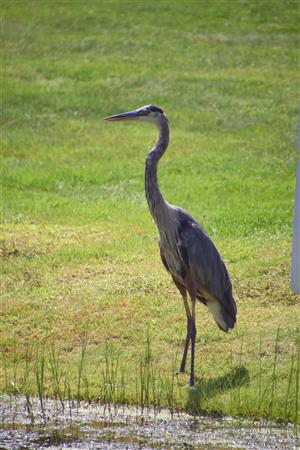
79 251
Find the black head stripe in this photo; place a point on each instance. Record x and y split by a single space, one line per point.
154 108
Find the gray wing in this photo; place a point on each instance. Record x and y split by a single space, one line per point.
205 264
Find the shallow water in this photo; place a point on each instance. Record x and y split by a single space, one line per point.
103 427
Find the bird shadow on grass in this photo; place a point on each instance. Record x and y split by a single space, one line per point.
236 378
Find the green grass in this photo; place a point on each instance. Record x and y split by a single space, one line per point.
82 282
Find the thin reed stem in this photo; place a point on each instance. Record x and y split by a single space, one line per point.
285 413
297 392
273 379
80 366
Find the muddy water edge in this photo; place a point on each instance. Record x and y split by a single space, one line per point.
54 425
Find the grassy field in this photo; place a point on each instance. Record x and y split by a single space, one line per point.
87 308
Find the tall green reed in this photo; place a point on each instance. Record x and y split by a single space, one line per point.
40 376
143 382
56 374
81 367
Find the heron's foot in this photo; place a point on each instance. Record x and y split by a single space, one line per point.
188 387
180 375
192 382
180 372
182 379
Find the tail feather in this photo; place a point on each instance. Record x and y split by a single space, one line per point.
229 309
224 313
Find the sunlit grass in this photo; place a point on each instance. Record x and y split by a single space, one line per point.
83 288
99 373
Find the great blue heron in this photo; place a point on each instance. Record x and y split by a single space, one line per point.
187 252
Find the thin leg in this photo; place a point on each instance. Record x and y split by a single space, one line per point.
183 293
192 324
193 342
188 334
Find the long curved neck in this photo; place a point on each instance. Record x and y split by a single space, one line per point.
155 199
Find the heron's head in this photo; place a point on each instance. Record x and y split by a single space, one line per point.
149 113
